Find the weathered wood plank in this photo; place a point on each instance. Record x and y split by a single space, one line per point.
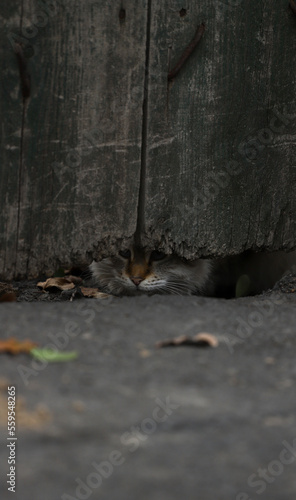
81 145
11 112
221 144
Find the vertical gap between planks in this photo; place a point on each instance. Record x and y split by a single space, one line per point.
140 229
20 161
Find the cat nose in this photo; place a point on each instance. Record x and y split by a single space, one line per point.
136 280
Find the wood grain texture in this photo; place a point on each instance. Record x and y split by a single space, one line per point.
220 166
214 149
11 115
76 166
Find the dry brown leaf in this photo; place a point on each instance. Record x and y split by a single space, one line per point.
35 419
207 339
14 346
93 292
4 383
59 283
78 406
75 279
144 353
7 293
8 297
199 340
269 360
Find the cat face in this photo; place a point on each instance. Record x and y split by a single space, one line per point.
136 271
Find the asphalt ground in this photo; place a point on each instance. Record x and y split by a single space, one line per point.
127 420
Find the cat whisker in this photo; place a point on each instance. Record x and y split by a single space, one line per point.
177 291
174 288
181 288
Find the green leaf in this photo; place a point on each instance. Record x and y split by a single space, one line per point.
53 356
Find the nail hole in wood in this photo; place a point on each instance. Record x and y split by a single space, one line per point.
122 14
183 12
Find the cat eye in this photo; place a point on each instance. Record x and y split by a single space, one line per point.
126 254
156 255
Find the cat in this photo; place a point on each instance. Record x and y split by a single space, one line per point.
136 271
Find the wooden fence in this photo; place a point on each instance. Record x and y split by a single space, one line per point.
96 141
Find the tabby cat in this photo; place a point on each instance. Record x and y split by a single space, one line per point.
137 271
